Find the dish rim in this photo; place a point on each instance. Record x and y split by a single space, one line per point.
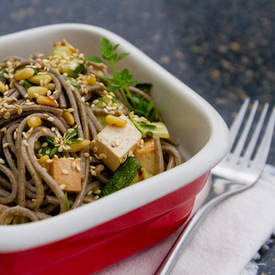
183 174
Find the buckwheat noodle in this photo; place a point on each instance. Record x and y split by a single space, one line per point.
28 191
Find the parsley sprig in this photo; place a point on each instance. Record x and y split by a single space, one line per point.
122 80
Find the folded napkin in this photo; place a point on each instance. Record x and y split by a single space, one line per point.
225 241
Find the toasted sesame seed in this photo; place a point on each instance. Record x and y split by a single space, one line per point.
62 186
78 168
65 171
50 119
86 155
5 145
25 143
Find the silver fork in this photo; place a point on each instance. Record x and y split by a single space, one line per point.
235 173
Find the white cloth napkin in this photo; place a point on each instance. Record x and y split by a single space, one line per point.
225 241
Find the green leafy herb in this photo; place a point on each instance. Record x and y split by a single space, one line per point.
70 136
108 54
50 149
145 87
123 177
27 83
67 202
122 80
142 107
79 69
35 71
95 59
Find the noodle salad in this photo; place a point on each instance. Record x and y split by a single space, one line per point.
73 130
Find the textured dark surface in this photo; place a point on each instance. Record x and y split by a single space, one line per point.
224 50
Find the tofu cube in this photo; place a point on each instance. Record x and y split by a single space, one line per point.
147 156
67 173
113 144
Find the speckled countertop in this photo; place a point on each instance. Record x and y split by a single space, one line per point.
224 50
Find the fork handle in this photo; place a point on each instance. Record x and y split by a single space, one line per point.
172 256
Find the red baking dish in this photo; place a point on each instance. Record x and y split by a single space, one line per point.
89 238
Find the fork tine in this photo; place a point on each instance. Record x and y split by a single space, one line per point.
262 152
237 122
237 152
254 139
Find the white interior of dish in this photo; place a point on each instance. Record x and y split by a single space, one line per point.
200 131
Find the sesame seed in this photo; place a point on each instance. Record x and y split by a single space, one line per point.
78 168
86 155
5 145
65 171
50 119
25 143
62 186
2 161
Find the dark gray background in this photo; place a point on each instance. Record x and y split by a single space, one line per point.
223 49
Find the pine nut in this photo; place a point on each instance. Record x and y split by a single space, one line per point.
46 100
41 79
69 118
34 122
115 121
24 74
35 91
75 147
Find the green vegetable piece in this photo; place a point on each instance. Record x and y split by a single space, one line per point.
101 120
148 128
67 202
123 177
65 50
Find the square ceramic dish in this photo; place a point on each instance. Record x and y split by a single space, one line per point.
93 236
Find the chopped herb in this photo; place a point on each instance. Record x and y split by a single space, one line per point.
79 69
27 83
35 71
67 202
70 136
53 152
50 149
50 141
